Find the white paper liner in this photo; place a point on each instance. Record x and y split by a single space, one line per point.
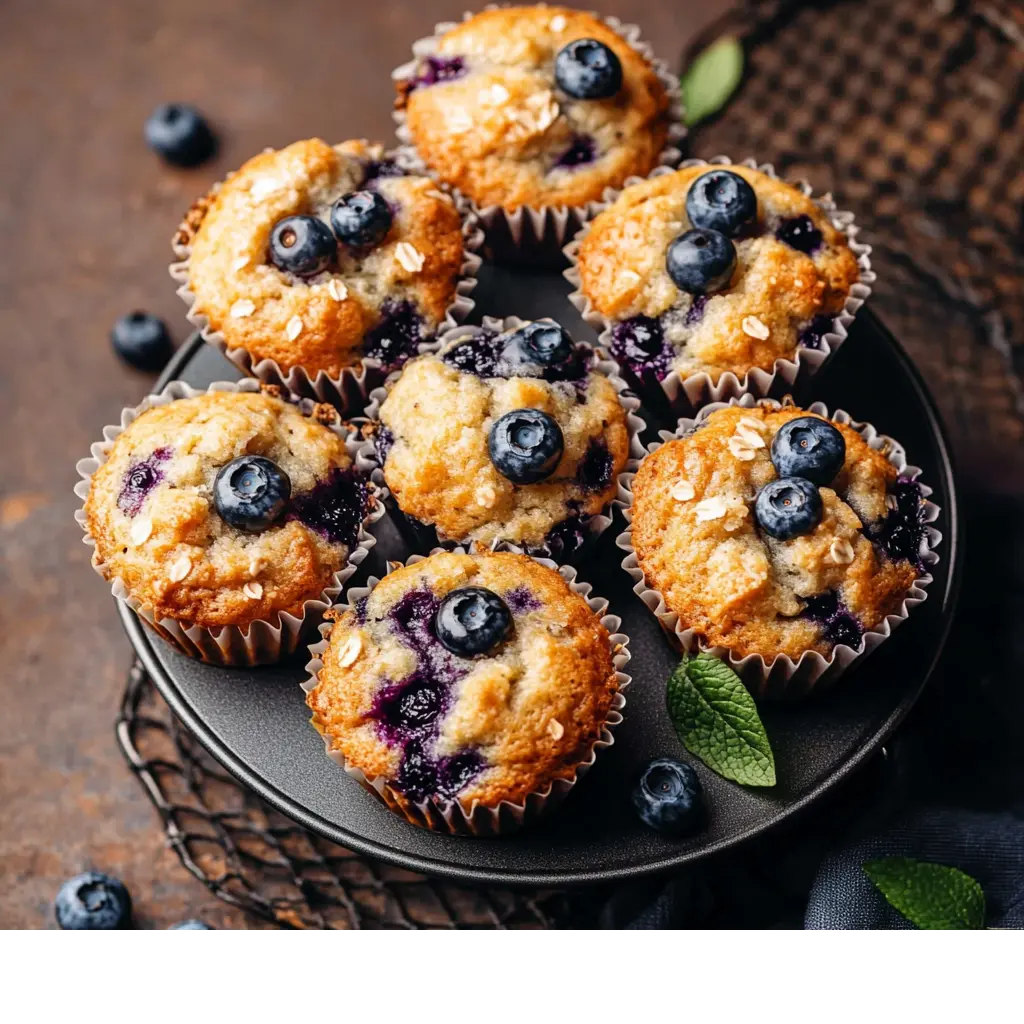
782 677
539 234
687 395
592 526
347 392
480 821
265 640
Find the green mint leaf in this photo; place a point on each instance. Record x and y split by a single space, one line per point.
716 720
929 895
712 78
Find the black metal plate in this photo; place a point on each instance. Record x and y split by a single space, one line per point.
256 723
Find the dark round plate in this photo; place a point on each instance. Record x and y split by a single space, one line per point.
255 722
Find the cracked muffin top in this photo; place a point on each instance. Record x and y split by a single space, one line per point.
775 531
315 256
480 678
504 436
714 269
536 106
225 508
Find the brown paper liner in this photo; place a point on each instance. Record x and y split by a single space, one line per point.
349 391
686 395
782 677
592 526
530 235
265 640
477 820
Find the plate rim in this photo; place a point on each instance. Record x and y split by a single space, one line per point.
141 642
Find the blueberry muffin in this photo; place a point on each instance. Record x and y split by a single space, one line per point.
774 531
471 678
534 106
714 270
317 256
504 436
225 508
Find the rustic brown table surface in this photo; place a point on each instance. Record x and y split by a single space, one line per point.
87 212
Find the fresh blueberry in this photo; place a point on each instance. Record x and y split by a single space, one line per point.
142 341
809 447
721 201
472 620
700 261
251 492
800 233
191 925
789 507
180 135
525 445
93 901
537 345
588 70
361 219
669 797
302 245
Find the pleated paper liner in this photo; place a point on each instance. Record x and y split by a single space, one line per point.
686 395
264 641
782 677
563 545
478 820
536 236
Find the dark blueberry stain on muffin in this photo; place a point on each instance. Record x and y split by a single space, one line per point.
520 601
582 150
639 343
398 335
813 334
695 313
360 610
335 508
800 233
567 537
380 169
383 442
839 625
141 478
483 356
594 472
421 776
409 708
439 69
902 531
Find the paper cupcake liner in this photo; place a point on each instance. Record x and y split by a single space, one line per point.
687 395
528 234
423 535
783 677
349 391
265 640
477 820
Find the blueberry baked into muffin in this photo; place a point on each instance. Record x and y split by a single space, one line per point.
534 106
318 256
771 530
474 680
504 435
226 508
714 270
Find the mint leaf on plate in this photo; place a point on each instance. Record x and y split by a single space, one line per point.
712 78
929 895
716 720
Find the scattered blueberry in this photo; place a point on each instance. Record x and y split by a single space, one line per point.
525 445
809 447
800 233
410 707
788 507
440 69
251 492
594 472
721 201
398 335
582 150
302 245
191 925
140 479
361 219
639 343
180 135
93 901
695 313
903 530
335 508
669 797
538 344
142 341
472 620
700 261
839 624
588 70
813 334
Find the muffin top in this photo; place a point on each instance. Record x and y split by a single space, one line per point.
487 714
216 546
318 255
768 566
537 106
503 436
713 270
